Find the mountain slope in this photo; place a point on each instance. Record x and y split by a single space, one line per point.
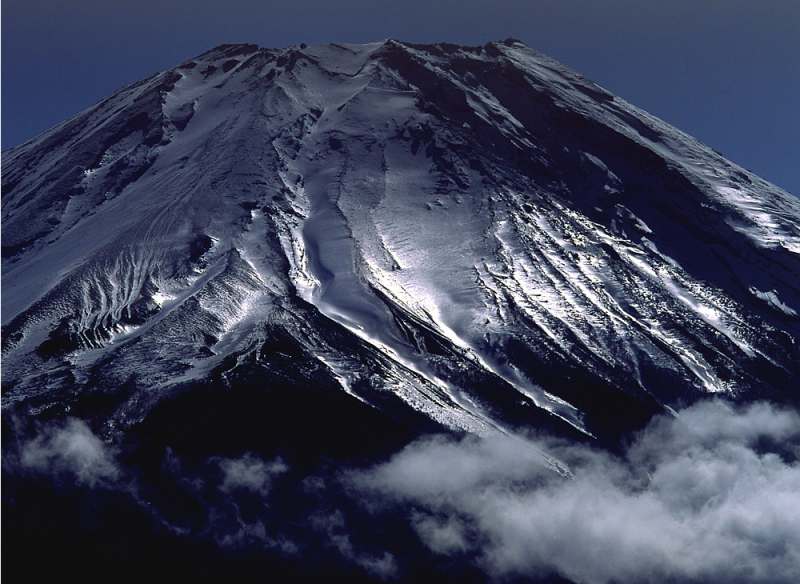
479 235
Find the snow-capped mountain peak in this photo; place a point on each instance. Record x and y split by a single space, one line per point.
477 234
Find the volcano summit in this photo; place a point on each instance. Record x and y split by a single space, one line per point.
320 253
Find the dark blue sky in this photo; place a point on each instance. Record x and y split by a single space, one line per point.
725 71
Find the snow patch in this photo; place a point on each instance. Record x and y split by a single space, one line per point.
772 299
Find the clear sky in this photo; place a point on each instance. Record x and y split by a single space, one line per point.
725 71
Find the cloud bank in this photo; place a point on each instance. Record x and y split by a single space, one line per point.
710 496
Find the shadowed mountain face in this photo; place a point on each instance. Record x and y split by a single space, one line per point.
327 251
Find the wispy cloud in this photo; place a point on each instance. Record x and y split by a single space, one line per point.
249 473
337 535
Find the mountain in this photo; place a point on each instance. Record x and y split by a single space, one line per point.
325 252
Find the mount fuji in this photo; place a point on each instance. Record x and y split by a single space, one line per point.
270 265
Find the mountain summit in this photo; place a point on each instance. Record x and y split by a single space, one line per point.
477 234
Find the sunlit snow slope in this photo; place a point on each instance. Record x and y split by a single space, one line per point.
478 234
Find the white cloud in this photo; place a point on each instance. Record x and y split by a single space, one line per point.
71 448
704 497
249 473
442 535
